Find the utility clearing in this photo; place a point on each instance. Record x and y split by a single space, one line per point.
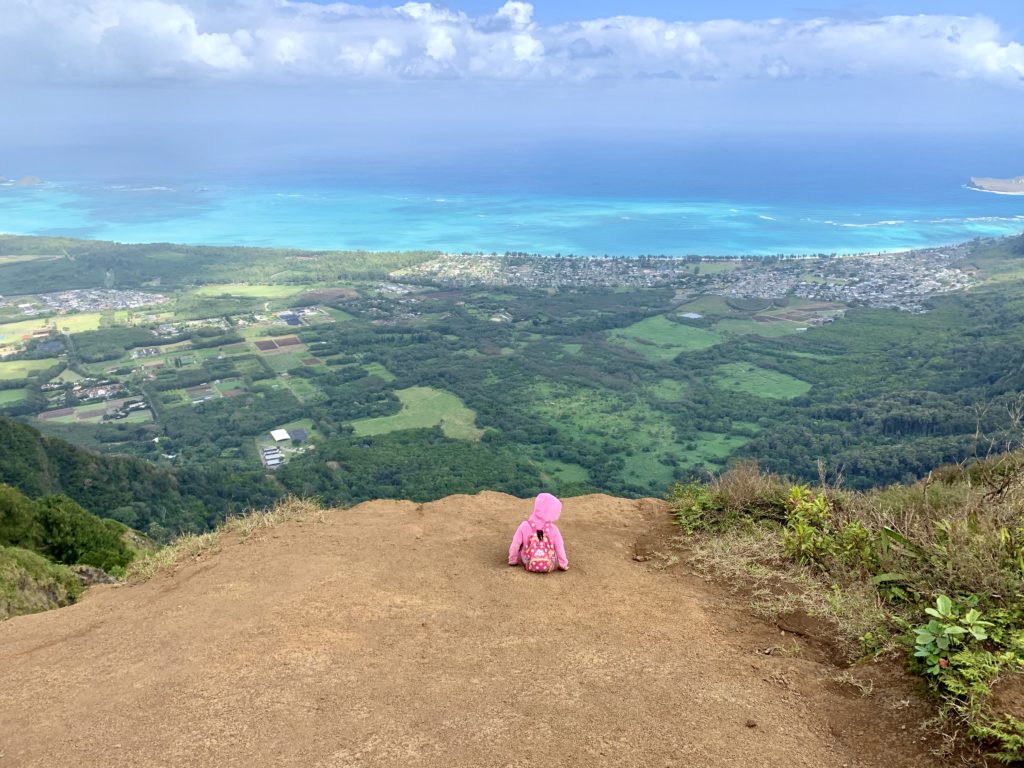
395 634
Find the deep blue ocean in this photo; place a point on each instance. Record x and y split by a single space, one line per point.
722 196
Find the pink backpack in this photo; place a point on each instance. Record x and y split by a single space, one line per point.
539 552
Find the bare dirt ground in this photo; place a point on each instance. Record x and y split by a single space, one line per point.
394 634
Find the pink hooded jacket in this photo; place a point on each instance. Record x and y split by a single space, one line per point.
546 509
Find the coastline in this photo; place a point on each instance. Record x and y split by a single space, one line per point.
389 220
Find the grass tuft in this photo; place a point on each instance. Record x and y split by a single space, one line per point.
191 547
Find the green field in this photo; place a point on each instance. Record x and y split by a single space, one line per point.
20 369
93 413
669 390
250 290
11 396
425 407
659 339
752 380
769 330
718 267
78 323
378 370
338 314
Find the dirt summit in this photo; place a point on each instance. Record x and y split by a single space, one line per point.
395 634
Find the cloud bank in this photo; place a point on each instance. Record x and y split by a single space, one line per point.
133 41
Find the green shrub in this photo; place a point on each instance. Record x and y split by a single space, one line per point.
71 535
31 583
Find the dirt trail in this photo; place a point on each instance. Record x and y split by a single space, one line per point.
393 634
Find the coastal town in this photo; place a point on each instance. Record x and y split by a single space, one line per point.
903 280
83 300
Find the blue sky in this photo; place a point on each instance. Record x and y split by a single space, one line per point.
203 83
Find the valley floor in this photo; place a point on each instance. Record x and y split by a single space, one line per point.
394 634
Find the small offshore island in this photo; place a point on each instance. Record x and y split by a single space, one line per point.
1013 186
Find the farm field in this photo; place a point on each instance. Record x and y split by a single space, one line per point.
761 382
659 339
94 412
425 407
11 370
250 291
9 396
769 329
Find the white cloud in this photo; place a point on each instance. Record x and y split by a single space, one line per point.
137 40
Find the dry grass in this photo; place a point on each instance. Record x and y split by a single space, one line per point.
751 558
745 487
192 547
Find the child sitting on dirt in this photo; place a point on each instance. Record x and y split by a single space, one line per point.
538 542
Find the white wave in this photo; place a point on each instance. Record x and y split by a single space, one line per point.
766 218
993 192
887 223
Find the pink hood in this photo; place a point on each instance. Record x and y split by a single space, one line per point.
546 509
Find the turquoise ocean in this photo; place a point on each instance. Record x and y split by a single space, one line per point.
781 199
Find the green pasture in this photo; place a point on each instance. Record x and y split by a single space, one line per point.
761 382
713 448
285 360
13 333
249 290
226 385
669 390
769 330
378 370
719 267
20 369
79 323
560 472
707 305
425 407
11 396
622 425
338 314
67 376
659 339
304 389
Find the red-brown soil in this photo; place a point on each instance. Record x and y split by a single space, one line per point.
394 634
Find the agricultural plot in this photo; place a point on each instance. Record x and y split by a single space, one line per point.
22 330
659 339
424 407
378 370
248 291
12 396
769 329
12 370
304 390
760 382
94 413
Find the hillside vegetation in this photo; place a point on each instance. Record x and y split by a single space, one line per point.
932 571
39 538
156 501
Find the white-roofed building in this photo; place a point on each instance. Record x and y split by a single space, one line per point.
279 435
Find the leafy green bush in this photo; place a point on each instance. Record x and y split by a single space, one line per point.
31 583
71 535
